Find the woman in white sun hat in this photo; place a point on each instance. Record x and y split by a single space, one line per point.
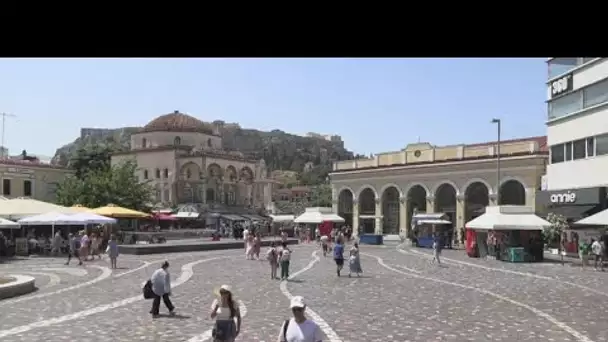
225 311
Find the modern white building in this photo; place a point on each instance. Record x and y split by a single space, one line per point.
577 125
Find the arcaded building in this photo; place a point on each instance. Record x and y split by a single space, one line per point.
182 157
379 195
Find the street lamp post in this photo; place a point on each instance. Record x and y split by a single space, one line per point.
497 122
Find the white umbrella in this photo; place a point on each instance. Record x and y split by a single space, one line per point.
91 218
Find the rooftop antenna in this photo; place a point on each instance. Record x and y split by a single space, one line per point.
4 116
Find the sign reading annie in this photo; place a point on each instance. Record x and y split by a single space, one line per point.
566 197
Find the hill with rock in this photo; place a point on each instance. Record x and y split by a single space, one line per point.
311 156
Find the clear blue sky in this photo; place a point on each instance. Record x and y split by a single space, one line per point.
376 105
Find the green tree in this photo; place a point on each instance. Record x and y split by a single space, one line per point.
552 234
117 184
320 196
91 158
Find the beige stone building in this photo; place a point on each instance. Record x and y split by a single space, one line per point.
21 178
182 158
379 195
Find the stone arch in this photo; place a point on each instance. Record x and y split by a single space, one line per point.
390 209
413 185
231 174
367 209
345 204
477 198
246 174
391 185
445 201
512 192
367 186
215 170
190 171
416 195
517 179
477 180
442 183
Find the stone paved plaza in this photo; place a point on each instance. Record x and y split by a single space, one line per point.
401 297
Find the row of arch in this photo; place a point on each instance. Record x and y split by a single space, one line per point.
191 171
476 196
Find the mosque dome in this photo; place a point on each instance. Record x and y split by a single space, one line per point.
177 122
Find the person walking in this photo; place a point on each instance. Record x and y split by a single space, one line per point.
284 258
273 258
112 251
85 244
299 328
354 261
597 248
257 246
73 242
161 286
339 255
227 316
436 249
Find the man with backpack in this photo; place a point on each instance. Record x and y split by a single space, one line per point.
299 328
284 258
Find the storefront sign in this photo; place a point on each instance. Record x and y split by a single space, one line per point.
561 85
566 197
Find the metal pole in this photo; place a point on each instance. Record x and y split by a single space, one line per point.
498 164
4 115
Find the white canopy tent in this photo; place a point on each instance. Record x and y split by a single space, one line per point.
318 215
508 217
22 207
599 219
7 224
282 218
52 219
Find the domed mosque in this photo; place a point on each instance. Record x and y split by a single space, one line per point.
182 158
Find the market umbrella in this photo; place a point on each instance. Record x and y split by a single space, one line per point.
79 208
91 218
165 217
112 210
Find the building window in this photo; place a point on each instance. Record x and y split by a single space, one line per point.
166 173
565 105
144 143
557 153
177 141
568 147
562 65
157 173
601 145
6 187
590 147
27 188
188 174
595 94
209 143
145 174
579 149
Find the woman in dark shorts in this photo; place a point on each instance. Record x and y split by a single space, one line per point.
339 255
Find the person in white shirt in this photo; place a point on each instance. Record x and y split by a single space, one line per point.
597 248
299 328
161 286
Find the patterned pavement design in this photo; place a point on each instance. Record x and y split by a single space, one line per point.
400 297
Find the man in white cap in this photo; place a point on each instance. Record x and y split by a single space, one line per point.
299 328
